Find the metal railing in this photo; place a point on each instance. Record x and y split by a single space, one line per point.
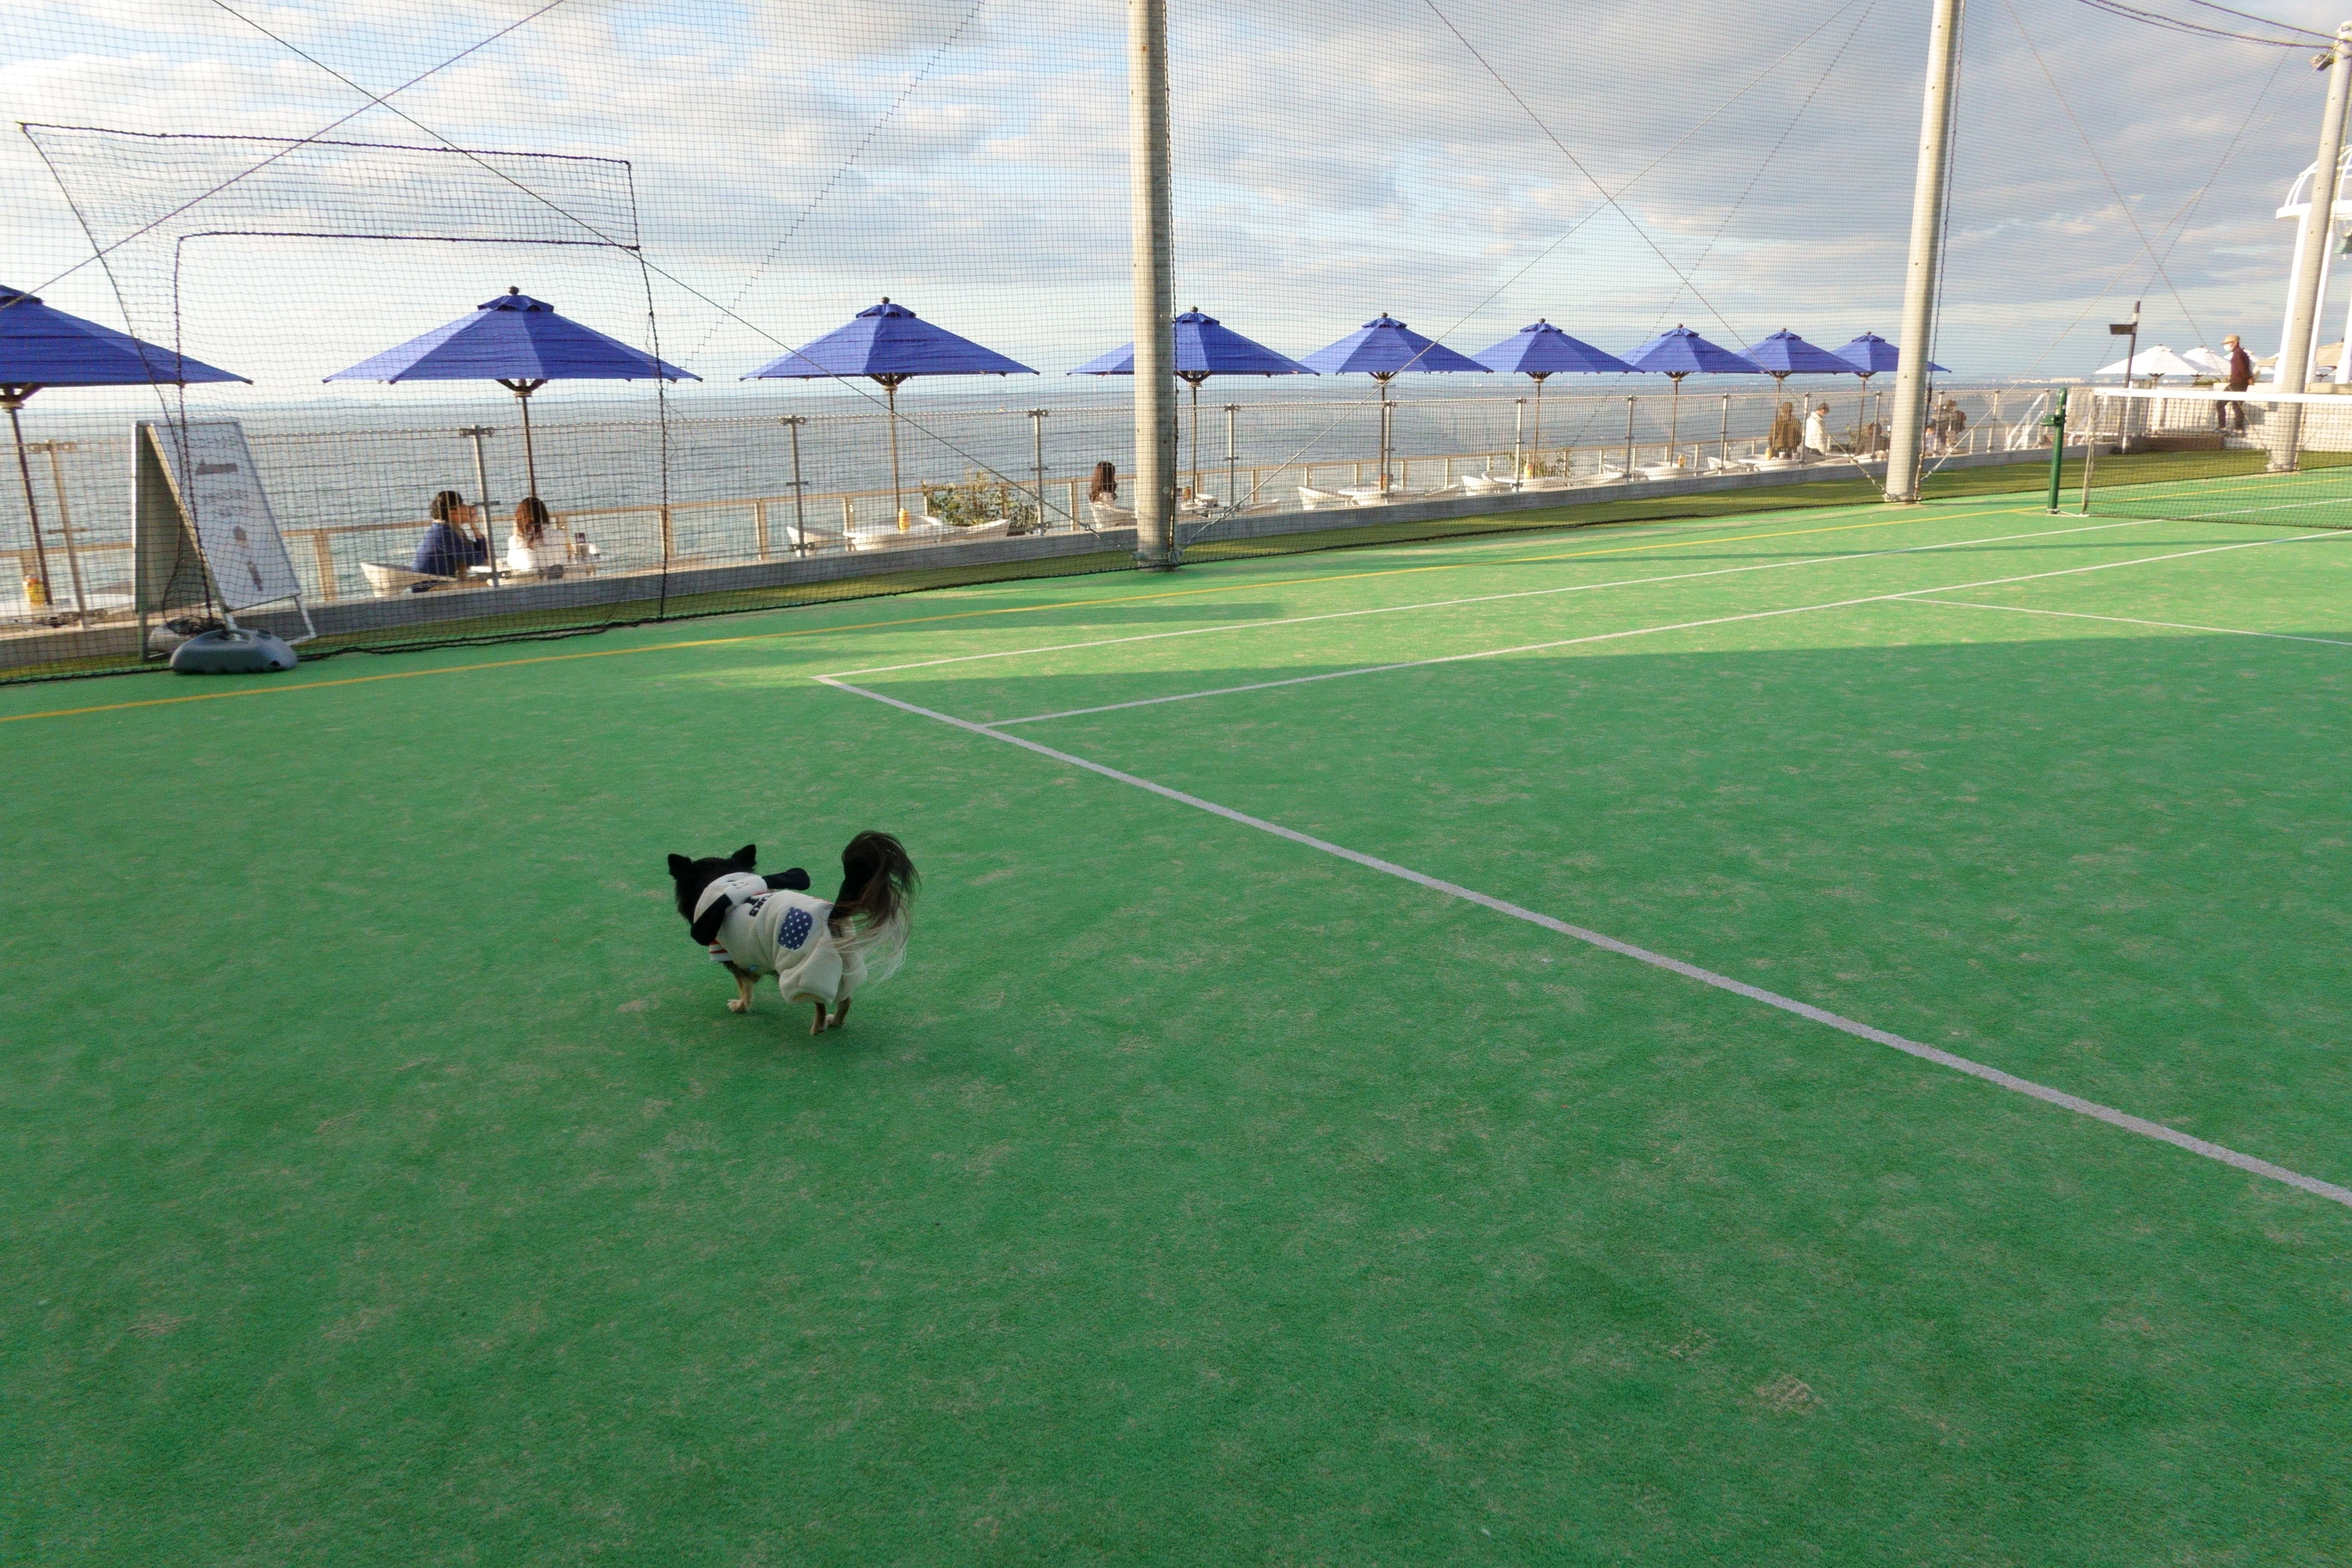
315 476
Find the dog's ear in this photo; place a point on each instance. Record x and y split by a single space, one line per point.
748 856
680 866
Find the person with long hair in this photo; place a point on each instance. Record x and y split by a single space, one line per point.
531 547
455 541
1104 484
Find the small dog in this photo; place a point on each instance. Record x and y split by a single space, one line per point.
818 952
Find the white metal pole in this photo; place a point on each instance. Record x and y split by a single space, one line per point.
2318 217
793 423
1037 434
65 524
482 489
1232 493
1151 226
1926 239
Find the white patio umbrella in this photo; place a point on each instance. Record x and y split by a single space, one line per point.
2157 360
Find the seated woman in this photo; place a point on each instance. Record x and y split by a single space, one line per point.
534 547
1103 485
455 541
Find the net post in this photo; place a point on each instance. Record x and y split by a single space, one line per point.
2318 217
1926 239
2091 451
2056 421
1152 224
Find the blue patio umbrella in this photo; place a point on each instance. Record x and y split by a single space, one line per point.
888 345
1784 354
1384 347
1540 349
1683 353
43 346
1868 355
1204 347
522 345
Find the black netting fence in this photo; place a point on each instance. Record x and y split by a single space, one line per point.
304 199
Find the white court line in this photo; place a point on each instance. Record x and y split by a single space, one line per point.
2126 620
1992 1075
1488 598
1648 631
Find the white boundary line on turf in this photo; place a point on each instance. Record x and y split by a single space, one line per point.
2125 620
1491 598
1648 631
2011 1081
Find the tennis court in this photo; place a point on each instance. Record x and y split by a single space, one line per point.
1810 1036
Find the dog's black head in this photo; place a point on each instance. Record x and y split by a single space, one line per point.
693 875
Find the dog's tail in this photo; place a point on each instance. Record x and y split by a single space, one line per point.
870 916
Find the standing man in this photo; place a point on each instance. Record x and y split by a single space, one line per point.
2230 412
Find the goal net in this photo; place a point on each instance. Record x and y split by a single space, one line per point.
2210 455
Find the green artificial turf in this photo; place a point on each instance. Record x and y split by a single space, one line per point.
385 1182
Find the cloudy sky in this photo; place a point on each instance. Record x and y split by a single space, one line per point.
1613 165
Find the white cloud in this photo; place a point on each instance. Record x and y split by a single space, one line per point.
1334 159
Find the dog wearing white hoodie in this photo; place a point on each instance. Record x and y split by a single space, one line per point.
820 953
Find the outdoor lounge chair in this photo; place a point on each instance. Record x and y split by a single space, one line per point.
1485 484
921 529
390 582
1108 516
1313 499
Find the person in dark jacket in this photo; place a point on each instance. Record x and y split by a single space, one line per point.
2230 412
455 541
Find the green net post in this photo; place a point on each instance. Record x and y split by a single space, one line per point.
2056 421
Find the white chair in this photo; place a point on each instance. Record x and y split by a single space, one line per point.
1107 515
1314 499
389 582
1485 484
919 529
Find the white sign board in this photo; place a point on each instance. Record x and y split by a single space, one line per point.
213 478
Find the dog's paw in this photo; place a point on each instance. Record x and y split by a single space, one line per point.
737 1004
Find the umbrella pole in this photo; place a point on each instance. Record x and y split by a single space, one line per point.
1196 441
898 491
1674 421
1725 458
1383 381
1538 441
523 392
14 399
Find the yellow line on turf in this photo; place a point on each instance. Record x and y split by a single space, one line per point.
953 615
